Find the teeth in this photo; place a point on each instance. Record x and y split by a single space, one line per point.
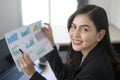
78 42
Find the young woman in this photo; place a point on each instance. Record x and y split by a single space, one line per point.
90 56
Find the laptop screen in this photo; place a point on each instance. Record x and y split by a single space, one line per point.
6 60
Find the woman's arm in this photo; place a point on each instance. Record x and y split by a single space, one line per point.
56 64
61 71
47 30
27 67
37 76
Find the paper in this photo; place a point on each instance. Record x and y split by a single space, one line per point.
30 39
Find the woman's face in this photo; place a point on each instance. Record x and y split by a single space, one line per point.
83 33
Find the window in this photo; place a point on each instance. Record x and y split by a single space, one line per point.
55 12
34 10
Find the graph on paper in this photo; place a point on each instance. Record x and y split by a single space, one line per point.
30 39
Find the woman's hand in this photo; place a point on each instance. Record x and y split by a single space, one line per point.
27 65
48 33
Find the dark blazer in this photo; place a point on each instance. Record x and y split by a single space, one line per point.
96 66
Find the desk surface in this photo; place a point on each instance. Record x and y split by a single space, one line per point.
48 73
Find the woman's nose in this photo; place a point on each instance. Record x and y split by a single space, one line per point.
77 33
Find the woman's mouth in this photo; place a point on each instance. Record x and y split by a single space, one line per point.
77 42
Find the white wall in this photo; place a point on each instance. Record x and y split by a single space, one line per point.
103 3
112 8
115 13
10 16
10 13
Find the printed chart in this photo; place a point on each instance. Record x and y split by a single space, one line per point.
30 39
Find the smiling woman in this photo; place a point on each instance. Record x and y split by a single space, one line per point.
90 56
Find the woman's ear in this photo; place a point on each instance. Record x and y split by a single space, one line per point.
100 35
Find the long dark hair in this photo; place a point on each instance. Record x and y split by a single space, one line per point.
100 20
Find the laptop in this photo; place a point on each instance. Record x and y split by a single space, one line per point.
13 74
8 69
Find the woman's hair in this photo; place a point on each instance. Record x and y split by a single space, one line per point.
99 17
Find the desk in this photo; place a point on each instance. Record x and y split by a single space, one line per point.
48 73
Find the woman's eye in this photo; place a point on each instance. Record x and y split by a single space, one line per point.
84 29
73 26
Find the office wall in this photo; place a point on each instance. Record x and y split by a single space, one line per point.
103 3
10 16
112 8
115 13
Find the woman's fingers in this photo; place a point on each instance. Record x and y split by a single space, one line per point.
26 64
48 26
45 29
48 33
23 62
25 59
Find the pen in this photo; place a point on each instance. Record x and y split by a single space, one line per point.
23 52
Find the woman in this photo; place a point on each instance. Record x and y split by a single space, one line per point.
90 56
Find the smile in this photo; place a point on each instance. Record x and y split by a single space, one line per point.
77 42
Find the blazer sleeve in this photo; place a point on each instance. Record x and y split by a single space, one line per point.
61 71
37 76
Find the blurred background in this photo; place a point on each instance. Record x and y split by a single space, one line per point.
18 13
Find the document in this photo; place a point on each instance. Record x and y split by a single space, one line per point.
30 39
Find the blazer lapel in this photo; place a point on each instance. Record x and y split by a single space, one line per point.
92 54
